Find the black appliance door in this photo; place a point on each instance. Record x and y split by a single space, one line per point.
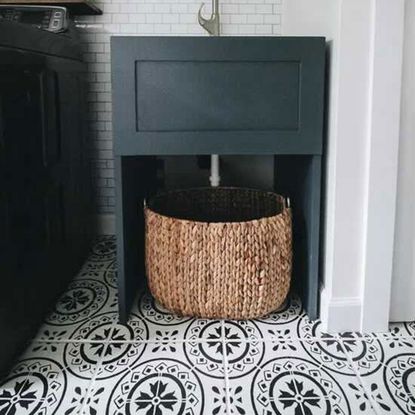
32 243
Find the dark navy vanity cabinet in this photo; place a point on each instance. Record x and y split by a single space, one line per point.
229 95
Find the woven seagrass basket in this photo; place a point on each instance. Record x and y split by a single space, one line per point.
219 252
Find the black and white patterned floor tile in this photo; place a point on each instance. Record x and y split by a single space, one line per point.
159 378
163 325
83 361
91 293
401 329
391 379
47 379
282 323
292 378
105 249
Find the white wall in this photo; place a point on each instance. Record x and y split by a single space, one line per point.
310 18
365 39
345 127
403 283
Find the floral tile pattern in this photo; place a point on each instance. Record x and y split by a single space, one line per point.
83 362
162 381
391 382
46 380
402 329
162 323
282 323
292 379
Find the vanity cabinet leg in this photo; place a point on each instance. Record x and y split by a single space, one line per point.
312 218
299 177
132 182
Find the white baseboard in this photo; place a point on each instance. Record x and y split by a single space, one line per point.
105 224
340 313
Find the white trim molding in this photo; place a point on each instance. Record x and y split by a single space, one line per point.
403 279
105 224
386 57
362 156
339 314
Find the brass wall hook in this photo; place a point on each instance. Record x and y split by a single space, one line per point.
212 25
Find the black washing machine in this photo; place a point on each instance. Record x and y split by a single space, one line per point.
45 193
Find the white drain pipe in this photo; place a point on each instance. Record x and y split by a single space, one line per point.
214 170
212 26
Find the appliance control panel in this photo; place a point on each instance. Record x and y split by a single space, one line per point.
50 18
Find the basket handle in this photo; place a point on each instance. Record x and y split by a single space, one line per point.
287 203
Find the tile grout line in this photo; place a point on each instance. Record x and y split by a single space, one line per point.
178 341
225 364
94 377
374 404
201 340
297 392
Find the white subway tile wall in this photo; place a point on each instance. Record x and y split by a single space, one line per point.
150 17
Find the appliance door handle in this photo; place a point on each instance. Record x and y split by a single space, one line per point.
2 138
50 119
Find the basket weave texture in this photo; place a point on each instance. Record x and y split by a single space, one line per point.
219 252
